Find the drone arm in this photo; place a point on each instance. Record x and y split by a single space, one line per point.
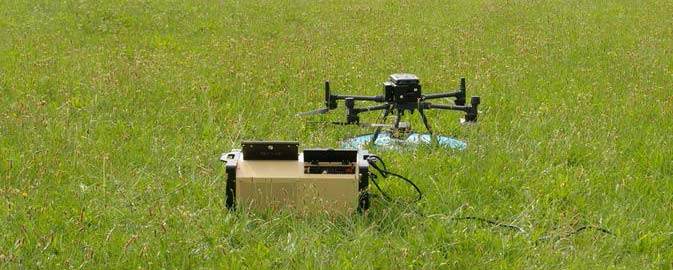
459 95
352 112
371 108
369 98
456 94
331 100
428 105
471 112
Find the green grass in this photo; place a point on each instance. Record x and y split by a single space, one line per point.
113 116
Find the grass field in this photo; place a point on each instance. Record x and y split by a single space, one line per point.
113 115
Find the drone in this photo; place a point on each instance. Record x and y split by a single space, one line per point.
401 93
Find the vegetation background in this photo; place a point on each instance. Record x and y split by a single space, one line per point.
113 115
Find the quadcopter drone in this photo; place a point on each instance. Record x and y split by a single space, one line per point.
401 93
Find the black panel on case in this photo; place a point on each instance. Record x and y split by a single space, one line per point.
270 150
330 155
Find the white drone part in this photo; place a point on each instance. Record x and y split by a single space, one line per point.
467 123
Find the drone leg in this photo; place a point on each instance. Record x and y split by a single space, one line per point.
425 121
397 120
378 129
395 132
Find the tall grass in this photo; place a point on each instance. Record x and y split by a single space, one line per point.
113 115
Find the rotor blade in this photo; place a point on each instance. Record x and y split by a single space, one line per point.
314 112
362 124
322 123
375 125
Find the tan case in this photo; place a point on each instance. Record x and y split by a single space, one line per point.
263 185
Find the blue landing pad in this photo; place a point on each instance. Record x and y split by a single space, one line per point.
384 140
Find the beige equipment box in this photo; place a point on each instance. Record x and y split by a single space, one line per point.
269 175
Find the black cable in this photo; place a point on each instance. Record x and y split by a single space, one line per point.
522 231
379 159
372 160
600 229
492 222
580 229
383 193
387 198
385 173
418 190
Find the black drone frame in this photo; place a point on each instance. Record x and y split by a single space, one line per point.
399 106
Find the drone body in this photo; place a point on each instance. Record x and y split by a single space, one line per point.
401 93
402 88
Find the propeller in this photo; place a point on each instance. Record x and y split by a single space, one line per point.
343 123
363 124
330 104
375 125
314 112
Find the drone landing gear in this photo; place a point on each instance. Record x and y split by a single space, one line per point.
400 130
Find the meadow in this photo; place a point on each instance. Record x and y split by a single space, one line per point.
113 115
